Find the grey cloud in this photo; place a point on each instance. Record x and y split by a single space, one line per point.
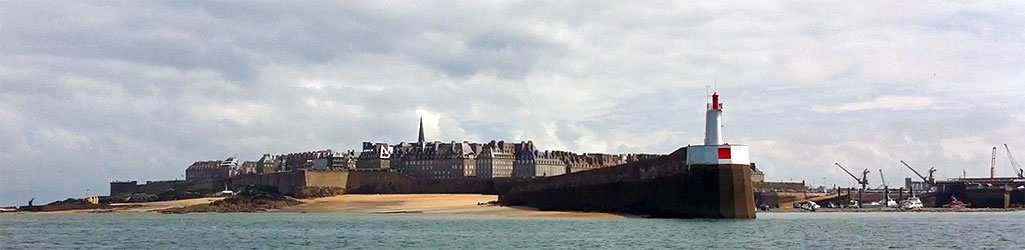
92 92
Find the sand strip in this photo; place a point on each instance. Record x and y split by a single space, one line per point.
473 204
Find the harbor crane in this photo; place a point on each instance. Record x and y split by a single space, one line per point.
928 180
864 176
993 164
1014 163
883 179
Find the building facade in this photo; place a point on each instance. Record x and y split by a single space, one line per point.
588 161
436 160
494 160
530 162
334 160
374 156
756 174
268 164
248 167
207 172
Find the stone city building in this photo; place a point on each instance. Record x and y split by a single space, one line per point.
375 156
436 160
328 159
206 171
530 162
232 165
248 167
494 160
320 159
756 174
581 162
268 164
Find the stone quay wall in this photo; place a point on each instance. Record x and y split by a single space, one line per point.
658 187
371 182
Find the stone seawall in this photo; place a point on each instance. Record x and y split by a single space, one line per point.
370 182
659 187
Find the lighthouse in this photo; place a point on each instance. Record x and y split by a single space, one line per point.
713 121
714 151
726 164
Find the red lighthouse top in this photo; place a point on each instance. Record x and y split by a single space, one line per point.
715 102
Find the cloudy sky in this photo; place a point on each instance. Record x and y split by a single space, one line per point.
95 92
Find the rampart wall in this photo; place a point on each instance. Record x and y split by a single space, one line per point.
658 187
151 187
370 182
779 186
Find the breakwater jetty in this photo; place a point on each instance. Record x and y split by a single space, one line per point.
662 187
705 181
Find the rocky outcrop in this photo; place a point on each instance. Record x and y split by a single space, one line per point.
317 192
250 199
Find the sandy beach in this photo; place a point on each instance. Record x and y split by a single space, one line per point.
429 204
464 204
145 207
142 207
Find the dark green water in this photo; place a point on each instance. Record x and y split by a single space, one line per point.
352 231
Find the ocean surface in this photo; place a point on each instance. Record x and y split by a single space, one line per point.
418 231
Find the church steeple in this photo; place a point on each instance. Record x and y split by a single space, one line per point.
421 138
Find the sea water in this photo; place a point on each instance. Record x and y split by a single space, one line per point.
999 230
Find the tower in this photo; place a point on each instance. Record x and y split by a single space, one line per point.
421 138
713 122
728 166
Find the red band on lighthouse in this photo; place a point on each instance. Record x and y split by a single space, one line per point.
724 153
715 101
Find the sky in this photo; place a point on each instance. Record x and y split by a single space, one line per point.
92 92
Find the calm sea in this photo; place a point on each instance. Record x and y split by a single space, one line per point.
408 231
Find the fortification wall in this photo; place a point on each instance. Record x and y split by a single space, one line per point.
779 186
156 187
287 182
360 182
387 182
379 182
659 187
123 188
367 182
151 187
325 178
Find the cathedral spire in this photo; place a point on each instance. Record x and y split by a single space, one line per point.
421 138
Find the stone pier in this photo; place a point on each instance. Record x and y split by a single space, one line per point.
660 187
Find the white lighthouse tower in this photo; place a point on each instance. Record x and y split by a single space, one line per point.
713 121
715 151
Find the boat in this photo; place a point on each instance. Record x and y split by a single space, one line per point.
910 203
874 204
853 204
954 203
880 204
891 203
808 206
